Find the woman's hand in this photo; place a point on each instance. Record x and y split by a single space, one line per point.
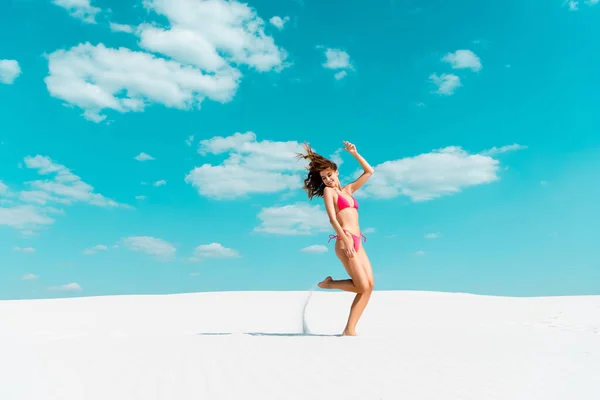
350 148
349 246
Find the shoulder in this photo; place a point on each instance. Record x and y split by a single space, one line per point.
347 189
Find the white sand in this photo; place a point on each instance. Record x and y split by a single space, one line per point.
250 345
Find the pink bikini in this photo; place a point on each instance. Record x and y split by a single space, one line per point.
343 203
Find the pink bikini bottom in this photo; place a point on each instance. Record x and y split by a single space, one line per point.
354 237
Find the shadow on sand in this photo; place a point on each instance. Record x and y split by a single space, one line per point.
268 334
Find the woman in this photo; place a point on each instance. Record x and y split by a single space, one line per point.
342 209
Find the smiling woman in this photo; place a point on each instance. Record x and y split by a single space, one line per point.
342 209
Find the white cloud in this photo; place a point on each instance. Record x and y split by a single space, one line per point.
24 249
431 175
206 43
592 2
80 9
96 78
144 157
212 35
573 5
420 253
9 71
446 83
279 22
337 59
340 75
29 277
317 248
140 197
65 188
504 149
294 219
369 230
162 182
95 249
3 188
69 287
120 28
252 166
189 141
24 217
463 59
150 245
431 236
214 250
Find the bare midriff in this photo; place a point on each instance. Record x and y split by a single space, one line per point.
348 220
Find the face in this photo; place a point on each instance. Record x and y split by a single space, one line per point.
330 177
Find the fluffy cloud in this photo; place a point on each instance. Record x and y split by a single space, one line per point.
431 235
29 277
3 188
431 175
96 78
9 71
95 249
317 248
446 83
213 250
206 42
162 182
293 219
463 59
279 22
80 9
153 246
252 166
339 60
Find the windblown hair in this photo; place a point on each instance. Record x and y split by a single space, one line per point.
313 184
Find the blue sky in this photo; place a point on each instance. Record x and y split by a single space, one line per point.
147 147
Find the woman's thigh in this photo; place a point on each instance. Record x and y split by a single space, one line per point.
354 266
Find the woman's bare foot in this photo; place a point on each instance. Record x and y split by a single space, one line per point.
348 332
325 283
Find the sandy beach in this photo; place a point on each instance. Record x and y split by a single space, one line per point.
286 345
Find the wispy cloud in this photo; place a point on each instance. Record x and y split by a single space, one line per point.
316 248
213 250
156 247
144 157
504 149
24 249
95 249
293 219
80 9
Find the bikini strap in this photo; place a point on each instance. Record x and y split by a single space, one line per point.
332 237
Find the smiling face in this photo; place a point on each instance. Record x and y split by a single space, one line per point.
330 177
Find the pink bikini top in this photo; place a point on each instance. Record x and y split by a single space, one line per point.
343 203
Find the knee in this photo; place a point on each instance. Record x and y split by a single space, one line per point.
365 287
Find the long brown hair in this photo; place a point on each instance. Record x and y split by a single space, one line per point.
313 183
